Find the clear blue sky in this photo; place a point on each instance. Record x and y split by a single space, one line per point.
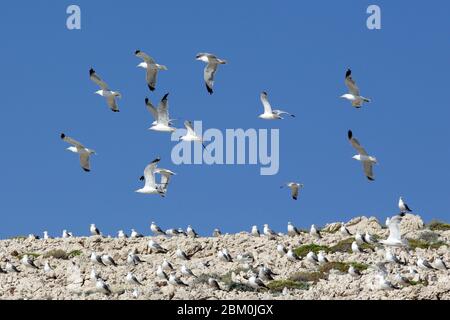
297 51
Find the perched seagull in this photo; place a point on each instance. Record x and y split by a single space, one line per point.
131 279
353 95
108 260
66 234
172 232
135 293
161 274
32 237
403 206
395 237
156 230
255 231
213 284
366 160
182 255
175 281
269 232
384 284
166 265
94 275
359 238
102 287
355 247
150 186
187 272
46 236
181 231
256 283
133 259
312 258
369 238
47 267
321 258
391 257
216 233
10 268
401 280
121 234
191 232
281 250
135 234
439 264
344 231
157 247
265 274
152 68
28 262
84 152
314 232
162 121
292 230
191 135
424 264
210 69
224 256
292 256
96 259
270 114
105 91
354 272
94 230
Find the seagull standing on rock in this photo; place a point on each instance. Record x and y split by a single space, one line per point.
156 230
292 256
292 230
281 250
46 236
344 231
108 260
121 234
403 206
187 272
255 231
269 232
311 257
355 247
354 272
256 283
359 238
133 259
10 268
156 247
216 233
66 234
28 262
439 264
166 265
191 232
391 257
314 232
161 274
94 230
175 281
134 234
213 284
103 287
96 259
131 279
369 238
182 255
385 284
424 264
321 258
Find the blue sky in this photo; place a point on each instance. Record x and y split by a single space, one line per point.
297 51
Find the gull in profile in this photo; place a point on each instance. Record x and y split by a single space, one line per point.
94 230
182 255
156 230
94 275
151 67
265 274
105 91
314 232
156 247
28 262
190 134
181 232
216 233
173 232
395 237
131 279
175 281
108 260
354 272
401 280
359 238
187 272
10 268
224 256
121 234
133 259
47 267
362 156
292 256
83 152
256 283
151 187
162 121
391 257
355 247
369 238
403 206
66 234
210 69
134 234
213 284
311 257
353 96
161 274
281 250
96 259
424 264
292 230
166 265
344 231
269 232
439 264
385 284
255 231
191 232
102 287
321 258
270 114
46 236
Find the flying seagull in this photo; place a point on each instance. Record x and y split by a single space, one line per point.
190 134
295 187
403 206
395 237
152 68
84 152
162 121
353 95
105 91
362 156
270 114
210 69
151 187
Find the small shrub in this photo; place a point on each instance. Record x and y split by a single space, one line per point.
302 251
57 254
422 244
346 246
436 225
308 276
342 266
74 253
279 285
30 254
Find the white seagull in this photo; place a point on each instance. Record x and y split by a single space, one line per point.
152 68
270 114
105 91
356 99
191 135
94 230
439 264
131 279
295 187
292 256
151 187
385 284
191 232
66 234
256 283
216 233
156 230
162 121
321 258
46 236
161 274
355 247
255 231
135 234
156 247
108 260
312 258
292 230
354 272
424 264
210 69
96 259
175 281
269 232
395 237
182 255
391 257
187 272
213 284
84 152
359 238
281 250
314 232
403 206
166 265
10 268
102 286
366 160
28 262
121 234
133 259
344 231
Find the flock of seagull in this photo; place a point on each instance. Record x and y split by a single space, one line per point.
258 273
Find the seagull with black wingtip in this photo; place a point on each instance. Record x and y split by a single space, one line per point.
105 91
83 152
151 67
210 69
362 156
353 96
270 114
